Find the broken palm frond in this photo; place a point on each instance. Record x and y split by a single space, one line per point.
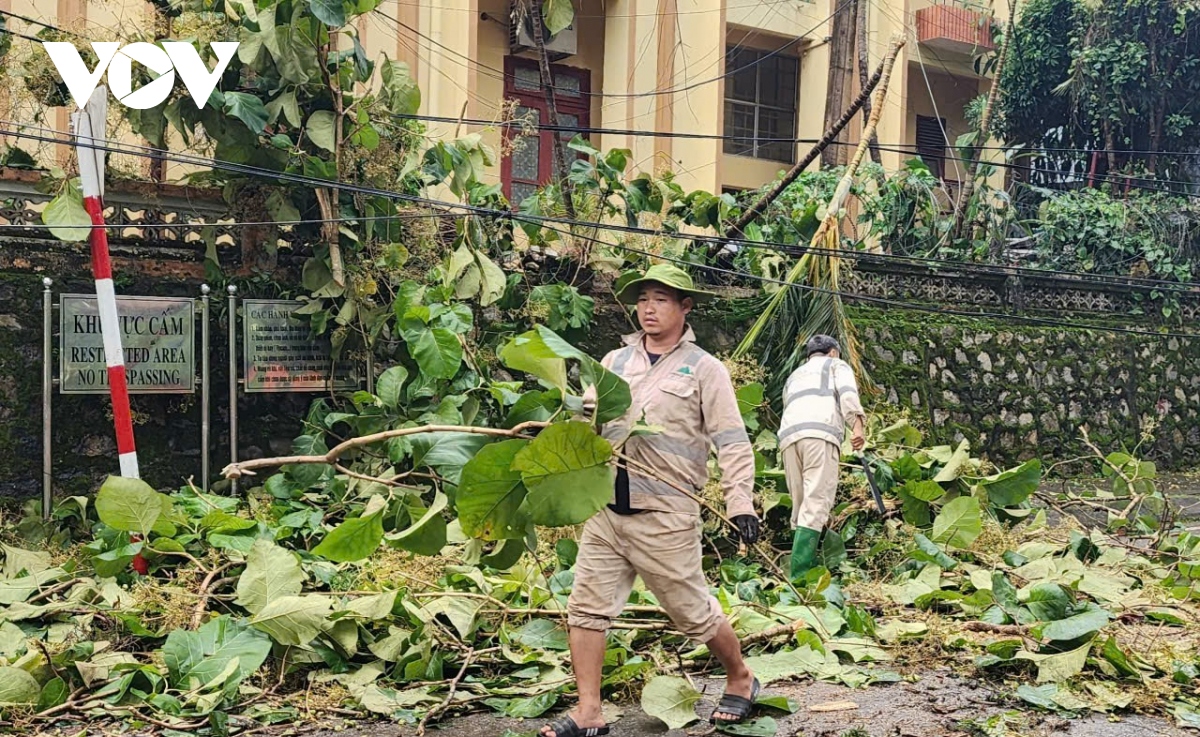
792 315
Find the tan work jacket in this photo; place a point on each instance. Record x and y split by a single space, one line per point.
819 398
689 394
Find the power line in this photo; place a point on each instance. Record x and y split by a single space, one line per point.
753 5
43 24
906 149
235 224
842 5
19 35
916 306
148 152
715 269
895 147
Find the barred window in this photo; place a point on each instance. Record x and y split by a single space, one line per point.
760 104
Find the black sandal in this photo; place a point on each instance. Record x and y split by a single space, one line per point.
565 726
739 706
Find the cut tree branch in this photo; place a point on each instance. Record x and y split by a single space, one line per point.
247 468
759 207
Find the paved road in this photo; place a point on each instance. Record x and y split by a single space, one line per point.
940 704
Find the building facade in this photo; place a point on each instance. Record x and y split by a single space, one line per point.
737 87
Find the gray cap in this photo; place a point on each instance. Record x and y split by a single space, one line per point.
820 344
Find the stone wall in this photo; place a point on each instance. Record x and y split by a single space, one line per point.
147 260
1016 392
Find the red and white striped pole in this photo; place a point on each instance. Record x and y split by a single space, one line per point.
88 126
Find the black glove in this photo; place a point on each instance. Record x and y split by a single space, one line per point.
748 527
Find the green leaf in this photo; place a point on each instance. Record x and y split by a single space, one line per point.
248 109
128 505
542 634
1087 622
779 703
389 386
294 620
931 553
194 659
954 466
322 130
66 217
1116 656
462 613
376 607
446 450
354 539
1040 696
427 535
19 560
400 90
490 493
896 630
1185 714
330 12
1005 594
535 406
557 15
750 397
671 700
926 491
388 702
285 105
566 472
271 572
504 556
529 707
17 687
613 395
437 352
529 353
54 693
761 727
1014 486
493 282
959 523
1058 667
1048 602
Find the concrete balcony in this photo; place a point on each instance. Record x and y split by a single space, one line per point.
954 29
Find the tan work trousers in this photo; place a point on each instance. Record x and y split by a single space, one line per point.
661 547
811 468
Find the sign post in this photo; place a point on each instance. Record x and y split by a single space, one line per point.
47 397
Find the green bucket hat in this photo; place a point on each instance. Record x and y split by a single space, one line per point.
629 285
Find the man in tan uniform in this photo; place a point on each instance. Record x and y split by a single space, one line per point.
651 529
819 399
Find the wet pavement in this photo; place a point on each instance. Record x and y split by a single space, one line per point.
940 704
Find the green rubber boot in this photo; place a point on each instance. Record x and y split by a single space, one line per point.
804 551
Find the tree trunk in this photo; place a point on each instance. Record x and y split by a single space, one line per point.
327 199
560 162
841 65
864 61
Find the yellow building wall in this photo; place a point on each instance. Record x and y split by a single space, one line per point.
656 65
